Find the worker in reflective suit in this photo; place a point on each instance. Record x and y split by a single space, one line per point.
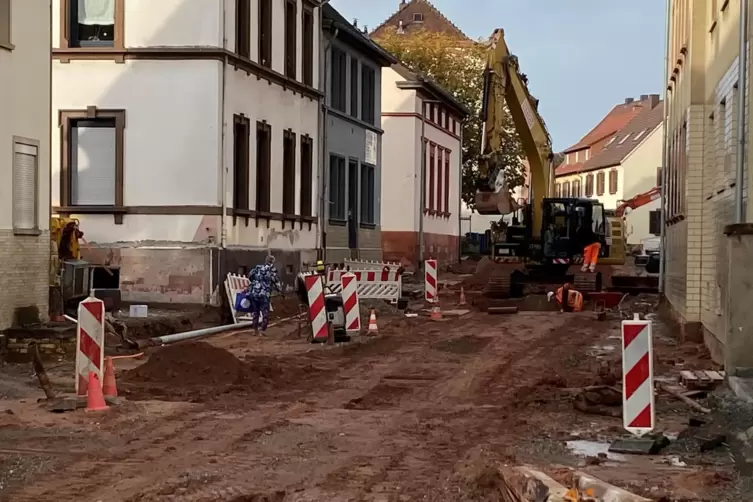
567 298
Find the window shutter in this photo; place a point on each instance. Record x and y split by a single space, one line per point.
654 222
613 181
25 159
600 184
93 166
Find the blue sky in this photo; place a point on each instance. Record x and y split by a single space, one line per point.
582 57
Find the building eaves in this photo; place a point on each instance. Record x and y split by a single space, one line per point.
352 36
418 81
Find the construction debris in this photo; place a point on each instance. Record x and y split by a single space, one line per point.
684 399
701 380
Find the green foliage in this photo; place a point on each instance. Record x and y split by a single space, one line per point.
458 65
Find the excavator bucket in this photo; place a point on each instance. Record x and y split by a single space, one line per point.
501 202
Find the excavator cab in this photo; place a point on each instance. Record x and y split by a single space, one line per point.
563 219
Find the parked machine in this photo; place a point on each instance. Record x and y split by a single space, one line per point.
333 306
69 274
540 245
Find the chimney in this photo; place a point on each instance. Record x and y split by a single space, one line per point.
400 28
403 5
644 97
355 23
653 100
628 100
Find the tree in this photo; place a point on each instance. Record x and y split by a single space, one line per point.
458 65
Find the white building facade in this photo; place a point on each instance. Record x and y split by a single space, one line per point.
417 111
188 137
24 159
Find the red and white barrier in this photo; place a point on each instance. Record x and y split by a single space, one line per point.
430 288
317 312
385 284
234 284
90 342
638 411
350 302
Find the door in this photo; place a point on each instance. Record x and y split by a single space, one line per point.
353 207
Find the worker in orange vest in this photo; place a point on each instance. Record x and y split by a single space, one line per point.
574 298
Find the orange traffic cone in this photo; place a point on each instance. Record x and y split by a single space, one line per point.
436 313
373 329
95 401
462 297
109 387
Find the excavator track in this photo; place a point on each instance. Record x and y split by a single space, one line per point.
499 283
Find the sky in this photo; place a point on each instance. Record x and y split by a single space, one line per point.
582 57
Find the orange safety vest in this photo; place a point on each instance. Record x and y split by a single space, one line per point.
574 299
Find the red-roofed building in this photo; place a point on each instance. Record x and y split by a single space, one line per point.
617 160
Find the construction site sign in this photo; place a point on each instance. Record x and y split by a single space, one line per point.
637 377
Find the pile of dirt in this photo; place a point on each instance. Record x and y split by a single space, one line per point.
481 274
199 371
284 307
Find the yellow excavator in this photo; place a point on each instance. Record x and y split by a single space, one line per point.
540 245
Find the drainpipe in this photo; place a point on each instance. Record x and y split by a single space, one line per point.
742 77
665 154
422 194
321 235
460 195
223 129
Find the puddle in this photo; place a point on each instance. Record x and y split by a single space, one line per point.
593 449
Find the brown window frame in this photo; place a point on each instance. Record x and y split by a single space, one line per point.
368 94
288 172
65 119
576 189
589 190
265 33
440 169
291 39
430 187
307 26
338 79
241 162
600 183
566 189
558 190
447 154
307 175
263 167
6 26
66 31
243 28
613 181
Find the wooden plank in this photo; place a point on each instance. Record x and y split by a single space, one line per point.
722 373
702 377
688 375
714 376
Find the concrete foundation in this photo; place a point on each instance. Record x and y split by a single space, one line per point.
738 354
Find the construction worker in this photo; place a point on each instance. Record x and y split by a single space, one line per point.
320 268
574 299
263 279
591 246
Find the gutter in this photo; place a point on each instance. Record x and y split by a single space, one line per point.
742 78
223 132
665 157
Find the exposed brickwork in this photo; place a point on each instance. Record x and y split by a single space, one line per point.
25 272
403 247
433 20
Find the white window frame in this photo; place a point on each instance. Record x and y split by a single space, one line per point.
624 139
21 143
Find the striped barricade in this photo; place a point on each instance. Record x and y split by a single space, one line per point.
383 284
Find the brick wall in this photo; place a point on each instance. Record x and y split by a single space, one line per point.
403 247
25 272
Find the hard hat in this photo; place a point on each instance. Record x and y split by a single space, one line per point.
549 296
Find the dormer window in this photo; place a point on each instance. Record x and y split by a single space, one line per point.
418 17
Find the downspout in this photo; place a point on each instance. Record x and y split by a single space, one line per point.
321 236
460 195
742 77
665 154
422 194
223 128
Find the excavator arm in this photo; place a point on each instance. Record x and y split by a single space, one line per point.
639 200
503 83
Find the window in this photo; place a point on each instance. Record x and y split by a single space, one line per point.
288 172
25 185
354 85
5 38
308 47
241 161
368 194
558 190
447 181
589 185
447 120
611 140
658 176
600 184
91 23
613 181
265 33
338 79
243 28
440 165
291 38
432 113
430 188
576 188
654 222
640 135
566 189
418 17
368 94
92 162
307 175
336 188
624 139
263 166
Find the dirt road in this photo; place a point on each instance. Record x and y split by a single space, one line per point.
416 413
